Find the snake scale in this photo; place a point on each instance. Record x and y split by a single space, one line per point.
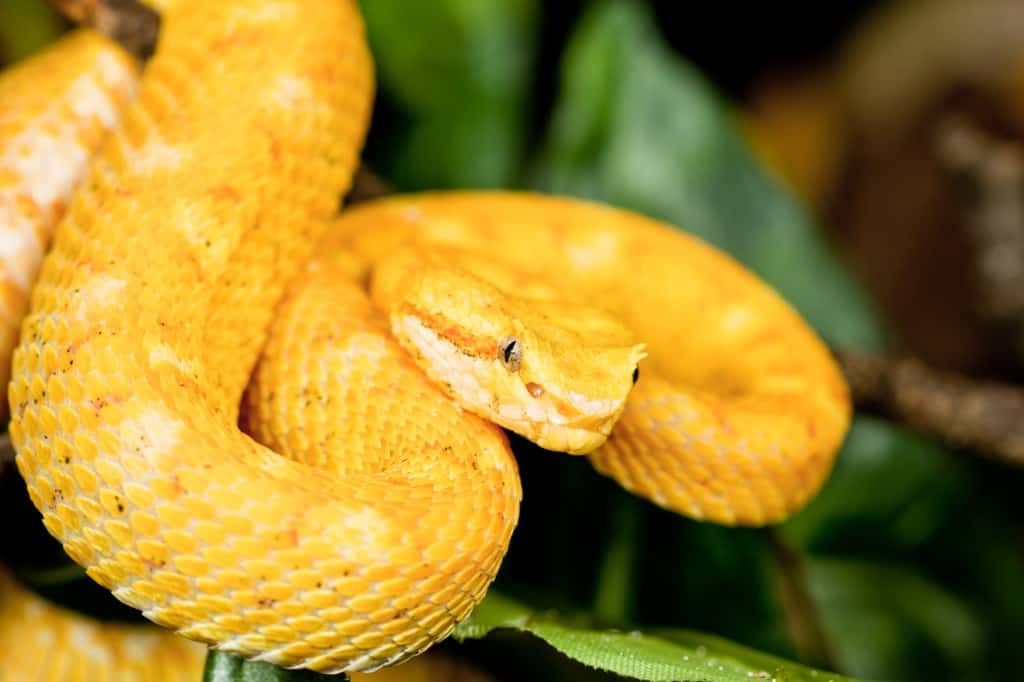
362 512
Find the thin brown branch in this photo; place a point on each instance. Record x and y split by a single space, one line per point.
984 417
129 22
801 615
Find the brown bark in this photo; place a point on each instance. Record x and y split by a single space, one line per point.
129 22
982 416
989 169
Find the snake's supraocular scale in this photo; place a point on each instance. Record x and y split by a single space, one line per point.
55 109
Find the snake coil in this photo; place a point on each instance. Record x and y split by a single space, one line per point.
341 534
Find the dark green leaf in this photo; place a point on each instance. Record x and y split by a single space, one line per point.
457 72
25 27
890 488
615 583
665 656
222 667
890 621
709 578
638 127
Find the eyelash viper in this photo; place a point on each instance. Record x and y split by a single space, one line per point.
157 297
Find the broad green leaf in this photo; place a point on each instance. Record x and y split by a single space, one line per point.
222 667
665 656
891 621
457 72
978 551
638 127
25 27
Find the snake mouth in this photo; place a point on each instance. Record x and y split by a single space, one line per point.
570 423
551 416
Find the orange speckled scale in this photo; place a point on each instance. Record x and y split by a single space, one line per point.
739 409
146 321
40 642
55 109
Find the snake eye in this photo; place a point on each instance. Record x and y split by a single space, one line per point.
511 353
636 375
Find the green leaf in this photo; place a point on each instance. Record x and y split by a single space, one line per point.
665 655
913 481
636 126
223 667
615 583
457 72
25 27
709 578
887 620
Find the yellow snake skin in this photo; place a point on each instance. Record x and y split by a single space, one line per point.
40 642
146 321
739 408
375 513
57 107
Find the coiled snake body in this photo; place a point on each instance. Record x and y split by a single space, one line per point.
381 513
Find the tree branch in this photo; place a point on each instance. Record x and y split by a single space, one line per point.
985 417
129 22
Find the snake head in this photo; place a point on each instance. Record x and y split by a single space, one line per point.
557 373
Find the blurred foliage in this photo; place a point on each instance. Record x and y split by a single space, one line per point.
797 124
912 555
633 126
460 80
902 510
25 26
637 127
876 612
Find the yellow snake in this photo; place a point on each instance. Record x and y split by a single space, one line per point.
375 512
57 108
40 642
